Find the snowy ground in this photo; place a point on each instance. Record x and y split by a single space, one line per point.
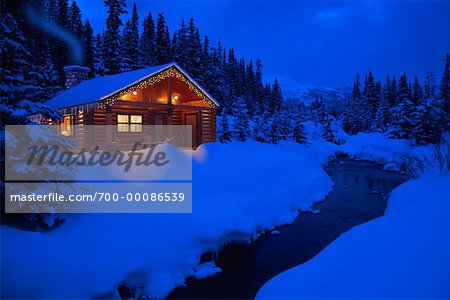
239 189
404 254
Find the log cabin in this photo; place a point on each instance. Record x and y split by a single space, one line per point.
158 95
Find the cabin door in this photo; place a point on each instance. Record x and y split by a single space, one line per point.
160 119
160 133
192 119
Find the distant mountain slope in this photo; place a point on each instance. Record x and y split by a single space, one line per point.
334 97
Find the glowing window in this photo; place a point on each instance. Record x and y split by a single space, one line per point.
67 125
129 123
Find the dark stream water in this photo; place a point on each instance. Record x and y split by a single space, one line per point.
359 195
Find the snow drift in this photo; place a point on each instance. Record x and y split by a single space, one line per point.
404 254
239 189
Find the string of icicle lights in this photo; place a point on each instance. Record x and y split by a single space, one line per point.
170 72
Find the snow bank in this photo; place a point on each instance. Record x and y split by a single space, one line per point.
404 254
239 189
376 147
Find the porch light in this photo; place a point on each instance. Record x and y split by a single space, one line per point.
135 93
175 97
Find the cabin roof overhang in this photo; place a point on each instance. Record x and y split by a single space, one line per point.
104 99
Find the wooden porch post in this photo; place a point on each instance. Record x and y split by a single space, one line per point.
109 129
169 101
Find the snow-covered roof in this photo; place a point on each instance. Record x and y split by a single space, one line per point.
96 89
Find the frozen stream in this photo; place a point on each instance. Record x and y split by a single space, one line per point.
359 195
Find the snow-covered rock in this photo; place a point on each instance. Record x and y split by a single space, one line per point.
205 270
376 147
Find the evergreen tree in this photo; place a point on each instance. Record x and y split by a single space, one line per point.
147 50
429 86
444 89
88 42
275 128
217 81
328 132
162 47
299 134
99 62
355 112
283 118
382 117
370 100
427 129
401 114
130 43
111 38
224 133
133 42
75 23
43 78
194 50
276 98
206 67
417 95
242 125
18 95
180 51
262 128
125 48
258 86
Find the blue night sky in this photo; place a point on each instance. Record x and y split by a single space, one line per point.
321 43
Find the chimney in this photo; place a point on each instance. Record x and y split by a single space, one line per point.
75 75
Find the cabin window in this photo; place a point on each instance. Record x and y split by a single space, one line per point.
129 123
66 126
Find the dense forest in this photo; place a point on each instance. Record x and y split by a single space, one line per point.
39 38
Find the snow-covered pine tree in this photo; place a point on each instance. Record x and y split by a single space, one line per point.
43 77
275 128
429 86
224 133
299 134
130 44
382 117
75 23
194 48
162 41
262 127
283 118
444 92
426 129
354 109
328 132
206 65
276 97
147 51
133 52
18 94
180 51
249 87
241 126
417 93
217 80
258 87
125 48
401 114
370 101
88 43
99 62
111 38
